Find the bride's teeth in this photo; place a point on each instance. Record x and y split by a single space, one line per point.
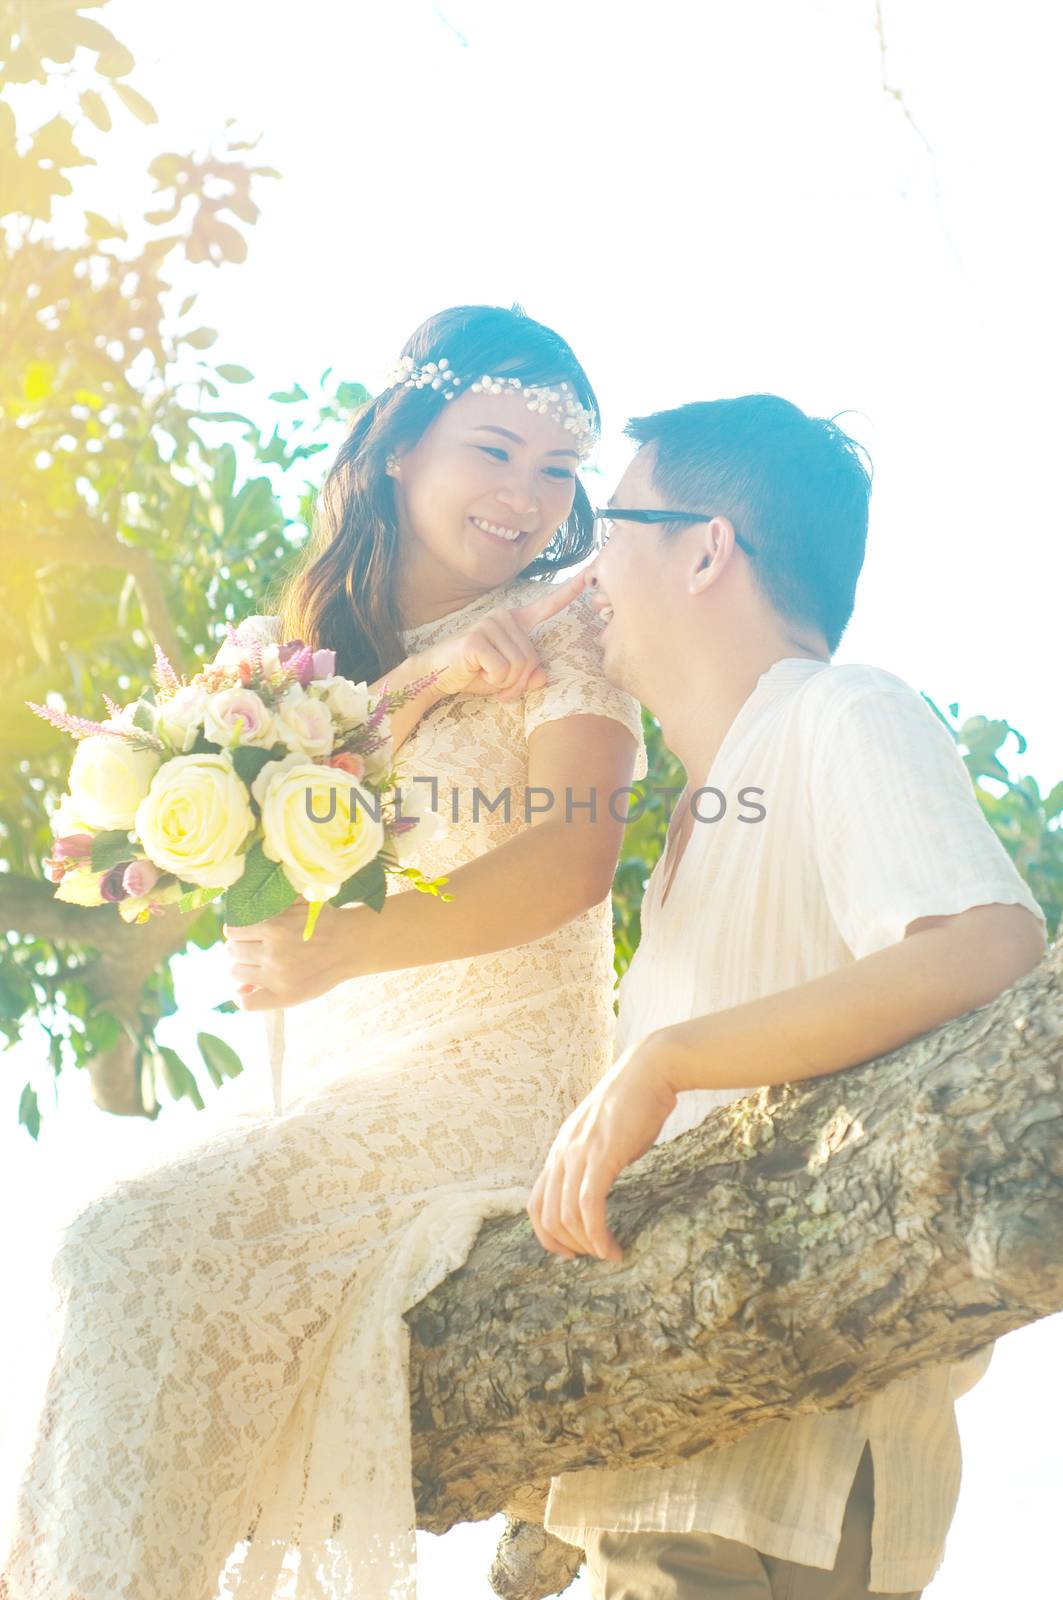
502 533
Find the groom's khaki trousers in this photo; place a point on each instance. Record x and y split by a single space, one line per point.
692 1566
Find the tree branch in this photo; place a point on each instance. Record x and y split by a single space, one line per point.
795 1253
72 550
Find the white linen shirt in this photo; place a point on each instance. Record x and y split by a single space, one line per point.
871 823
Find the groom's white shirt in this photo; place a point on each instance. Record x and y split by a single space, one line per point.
871 823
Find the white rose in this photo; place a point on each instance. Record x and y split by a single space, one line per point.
68 819
108 780
413 844
318 852
179 719
252 628
348 702
305 725
194 819
256 720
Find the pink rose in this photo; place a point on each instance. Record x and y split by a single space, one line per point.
73 847
139 877
234 707
324 663
347 761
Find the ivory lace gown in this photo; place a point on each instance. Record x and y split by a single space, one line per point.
226 1409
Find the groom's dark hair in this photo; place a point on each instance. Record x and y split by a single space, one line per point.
794 486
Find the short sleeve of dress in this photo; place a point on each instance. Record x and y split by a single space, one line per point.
571 655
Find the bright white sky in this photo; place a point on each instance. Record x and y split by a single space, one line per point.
705 200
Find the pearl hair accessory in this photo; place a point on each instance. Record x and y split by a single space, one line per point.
558 402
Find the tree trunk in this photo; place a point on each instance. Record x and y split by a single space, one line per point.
797 1251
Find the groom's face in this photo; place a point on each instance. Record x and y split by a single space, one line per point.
630 581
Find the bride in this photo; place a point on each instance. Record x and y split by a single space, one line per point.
226 1409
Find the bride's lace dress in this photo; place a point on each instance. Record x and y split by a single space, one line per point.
225 1411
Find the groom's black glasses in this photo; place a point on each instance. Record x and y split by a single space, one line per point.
622 514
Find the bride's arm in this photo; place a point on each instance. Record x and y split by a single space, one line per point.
521 890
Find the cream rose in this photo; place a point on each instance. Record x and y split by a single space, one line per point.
67 819
194 819
108 780
317 856
256 720
305 725
179 719
348 702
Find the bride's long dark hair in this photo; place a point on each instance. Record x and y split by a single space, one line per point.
343 594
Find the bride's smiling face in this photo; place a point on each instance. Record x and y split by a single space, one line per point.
483 491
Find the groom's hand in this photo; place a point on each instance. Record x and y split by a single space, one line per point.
616 1123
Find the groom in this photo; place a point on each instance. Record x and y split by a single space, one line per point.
870 903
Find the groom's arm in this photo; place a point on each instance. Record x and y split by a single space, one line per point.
942 968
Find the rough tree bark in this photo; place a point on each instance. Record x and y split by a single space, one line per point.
797 1251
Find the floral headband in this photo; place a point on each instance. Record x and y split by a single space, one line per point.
557 401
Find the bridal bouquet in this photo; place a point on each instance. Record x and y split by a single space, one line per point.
265 777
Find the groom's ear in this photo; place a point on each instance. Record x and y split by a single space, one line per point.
708 561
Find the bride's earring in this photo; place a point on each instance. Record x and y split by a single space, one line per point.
391 466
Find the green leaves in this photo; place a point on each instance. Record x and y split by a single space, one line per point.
369 886
195 899
108 849
177 1077
220 1059
95 109
250 759
142 109
263 891
29 1112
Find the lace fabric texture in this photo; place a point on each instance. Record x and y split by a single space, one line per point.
223 1407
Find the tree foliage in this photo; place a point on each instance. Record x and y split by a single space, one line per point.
124 516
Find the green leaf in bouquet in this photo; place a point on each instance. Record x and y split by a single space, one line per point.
195 898
177 1077
144 717
249 759
220 1058
263 891
108 849
370 886
226 1006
